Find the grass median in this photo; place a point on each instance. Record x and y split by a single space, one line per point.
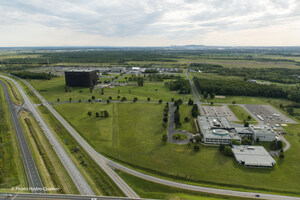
51 170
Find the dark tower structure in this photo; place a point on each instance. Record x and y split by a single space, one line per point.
81 78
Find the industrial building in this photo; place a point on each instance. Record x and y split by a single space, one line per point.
264 133
253 156
217 130
81 78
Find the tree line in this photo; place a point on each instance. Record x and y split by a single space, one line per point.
244 88
33 75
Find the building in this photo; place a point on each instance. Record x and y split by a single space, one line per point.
253 156
217 130
81 78
264 133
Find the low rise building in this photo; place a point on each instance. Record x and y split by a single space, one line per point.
253 156
217 130
264 133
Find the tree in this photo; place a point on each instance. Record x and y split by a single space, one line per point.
233 102
148 99
93 97
249 118
110 98
186 119
90 100
140 81
165 119
97 114
228 151
198 138
123 99
221 147
281 155
257 140
89 113
135 99
212 95
235 142
246 124
119 97
79 100
279 144
211 103
273 145
160 101
205 95
164 138
191 102
196 148
57 99
70 99
102 91
246 141
107 101
172 99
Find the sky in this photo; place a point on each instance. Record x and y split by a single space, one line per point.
149 22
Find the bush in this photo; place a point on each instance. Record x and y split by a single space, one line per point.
164 138
228 151
196 148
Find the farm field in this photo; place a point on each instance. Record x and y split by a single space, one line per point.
55 88
132 135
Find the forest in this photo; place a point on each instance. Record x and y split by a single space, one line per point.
280 75
245 88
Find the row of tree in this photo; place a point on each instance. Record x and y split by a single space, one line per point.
33 75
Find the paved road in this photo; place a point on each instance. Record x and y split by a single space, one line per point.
28 196
94 155
32 173
172 131
194 90
176 184
72 170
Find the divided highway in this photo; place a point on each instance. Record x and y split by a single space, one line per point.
105 163
32 173
78 179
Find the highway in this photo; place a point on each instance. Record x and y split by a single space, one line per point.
78 179
28 196
32 173
105 162
100 160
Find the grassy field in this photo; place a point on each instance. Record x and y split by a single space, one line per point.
96 177
14 93
55 88
186 111
12 172
241 114
49 166
132 135
146 189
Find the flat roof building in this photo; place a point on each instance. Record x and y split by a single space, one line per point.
217 130
81 78
253 156
264 133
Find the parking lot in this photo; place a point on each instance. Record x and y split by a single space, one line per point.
269 115
218 111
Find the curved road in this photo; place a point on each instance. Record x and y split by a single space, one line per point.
32 173
93 153
72 170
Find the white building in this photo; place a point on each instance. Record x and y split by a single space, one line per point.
217 130
253 156
264 133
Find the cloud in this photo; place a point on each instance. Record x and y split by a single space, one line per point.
162 20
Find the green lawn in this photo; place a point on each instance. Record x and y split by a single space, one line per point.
186 111
241 114
55 88
146 189
132 134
